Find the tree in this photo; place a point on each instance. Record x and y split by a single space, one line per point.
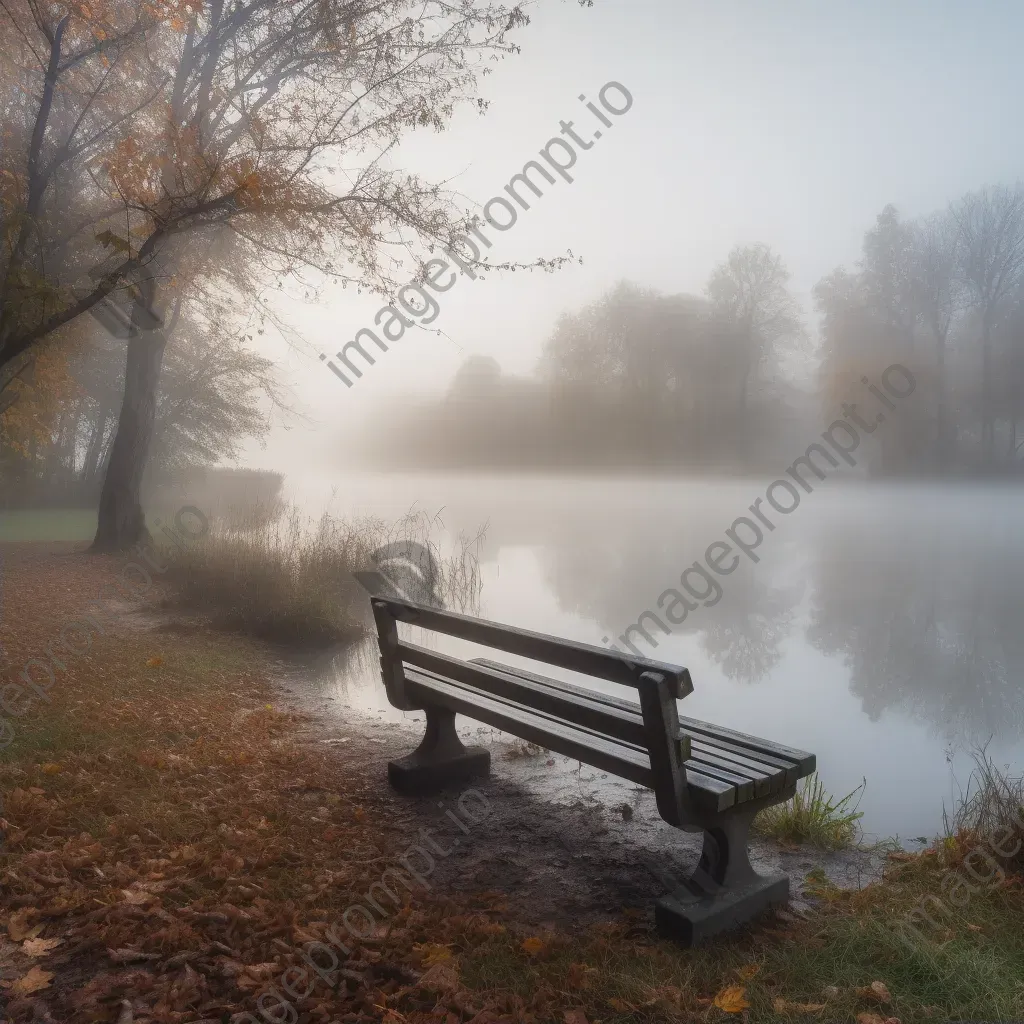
887 269
210 136
990 257
215 392
938 297
749 292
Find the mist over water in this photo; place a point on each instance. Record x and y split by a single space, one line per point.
881 628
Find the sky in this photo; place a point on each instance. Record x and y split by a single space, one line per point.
787 122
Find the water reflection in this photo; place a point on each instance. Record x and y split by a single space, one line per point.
881 628
929 622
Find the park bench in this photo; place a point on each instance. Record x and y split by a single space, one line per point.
705 778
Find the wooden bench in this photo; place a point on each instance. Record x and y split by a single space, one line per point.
705 778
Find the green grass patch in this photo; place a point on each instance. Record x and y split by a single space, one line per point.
47 524
813 816
827 962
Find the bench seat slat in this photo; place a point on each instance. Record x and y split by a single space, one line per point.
707 762
766 765
755 783
739 749
624 759
804 762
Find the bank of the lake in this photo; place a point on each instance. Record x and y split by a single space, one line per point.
176 834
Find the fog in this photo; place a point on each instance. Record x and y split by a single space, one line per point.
793 126
748 274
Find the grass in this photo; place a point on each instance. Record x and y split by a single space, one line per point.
287 578
990 813
48 524
825 965
813 817
64 524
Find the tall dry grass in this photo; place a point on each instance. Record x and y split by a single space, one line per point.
288 578
988 814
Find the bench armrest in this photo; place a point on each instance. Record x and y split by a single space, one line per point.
667 746
391 669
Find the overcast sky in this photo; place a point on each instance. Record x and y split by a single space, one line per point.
782 121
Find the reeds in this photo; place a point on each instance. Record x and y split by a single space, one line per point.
988 815
288 578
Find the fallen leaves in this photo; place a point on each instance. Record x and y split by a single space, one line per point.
432 953
18 926
35 981
52 768
154 662
39 947
579 976
732 999
440 978
747 971
876 991
533 946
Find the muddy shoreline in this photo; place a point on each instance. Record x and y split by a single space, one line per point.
556 838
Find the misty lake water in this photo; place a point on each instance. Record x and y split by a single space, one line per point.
882 628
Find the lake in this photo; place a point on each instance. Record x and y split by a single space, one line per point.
881 628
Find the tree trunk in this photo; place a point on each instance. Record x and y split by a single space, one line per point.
121 522
940 401
987 418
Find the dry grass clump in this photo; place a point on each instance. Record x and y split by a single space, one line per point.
988 815
289 578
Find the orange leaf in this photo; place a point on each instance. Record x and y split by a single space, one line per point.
432 953
732 999
875 991
533 945
36 980
155 662
747 971
51 768
38 947
18 927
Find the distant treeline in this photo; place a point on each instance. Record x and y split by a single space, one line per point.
735 379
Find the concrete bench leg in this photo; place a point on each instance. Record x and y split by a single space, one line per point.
724 890
440 760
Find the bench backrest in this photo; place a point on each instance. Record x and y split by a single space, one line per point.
658 684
